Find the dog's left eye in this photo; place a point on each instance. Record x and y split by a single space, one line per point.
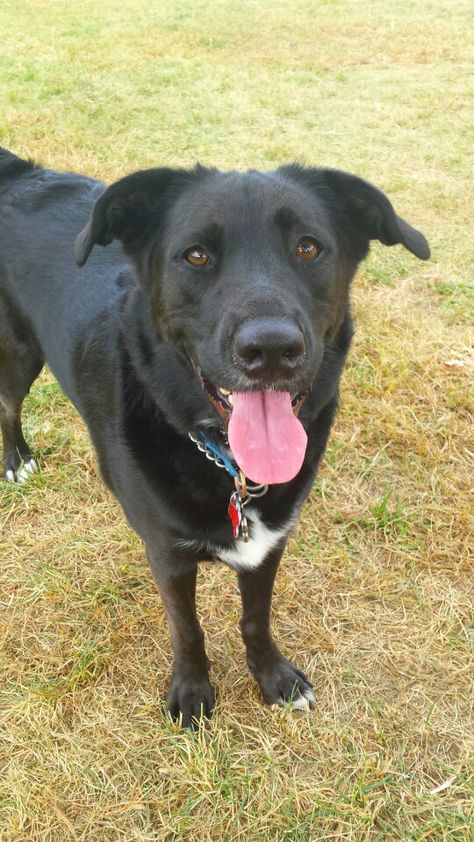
307 249
197 256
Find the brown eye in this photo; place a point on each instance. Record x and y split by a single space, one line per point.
307 248
197 256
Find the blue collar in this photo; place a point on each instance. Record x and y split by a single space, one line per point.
243 492
214 453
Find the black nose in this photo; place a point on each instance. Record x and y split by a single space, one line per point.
269 348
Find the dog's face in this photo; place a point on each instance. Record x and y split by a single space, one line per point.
248 276
249 279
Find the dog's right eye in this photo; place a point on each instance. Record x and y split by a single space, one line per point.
197 256
307 249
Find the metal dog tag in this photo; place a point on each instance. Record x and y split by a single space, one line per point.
237 517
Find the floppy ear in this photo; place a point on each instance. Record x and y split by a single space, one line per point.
373 215
128 209
366 209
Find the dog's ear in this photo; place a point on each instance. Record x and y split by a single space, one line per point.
363 207
127 210
373 213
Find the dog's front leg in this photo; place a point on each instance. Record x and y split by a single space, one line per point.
279 680
190 694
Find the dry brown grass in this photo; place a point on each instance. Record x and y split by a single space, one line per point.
375 595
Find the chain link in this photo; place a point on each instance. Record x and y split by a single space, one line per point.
252 490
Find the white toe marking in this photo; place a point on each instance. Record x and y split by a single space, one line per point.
302 702
24 472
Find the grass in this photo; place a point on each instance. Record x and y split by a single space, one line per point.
375 594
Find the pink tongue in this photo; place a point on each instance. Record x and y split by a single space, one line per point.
266 438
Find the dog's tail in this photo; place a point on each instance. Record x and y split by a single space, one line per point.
11 166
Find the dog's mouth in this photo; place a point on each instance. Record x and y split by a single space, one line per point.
265 436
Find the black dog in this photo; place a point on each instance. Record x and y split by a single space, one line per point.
230 322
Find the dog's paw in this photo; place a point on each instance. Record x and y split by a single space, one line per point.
190 700
299 699
21 474
283 684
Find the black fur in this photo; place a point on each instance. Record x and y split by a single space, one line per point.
125 335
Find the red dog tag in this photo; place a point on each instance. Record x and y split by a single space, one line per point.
235 513
237 518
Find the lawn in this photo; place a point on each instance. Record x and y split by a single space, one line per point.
375 595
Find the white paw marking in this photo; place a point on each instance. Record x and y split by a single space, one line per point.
23 473
302 702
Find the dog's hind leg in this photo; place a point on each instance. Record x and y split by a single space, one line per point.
20 364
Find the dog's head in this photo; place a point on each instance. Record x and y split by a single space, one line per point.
248 277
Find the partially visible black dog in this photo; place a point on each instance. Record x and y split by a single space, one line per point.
229 321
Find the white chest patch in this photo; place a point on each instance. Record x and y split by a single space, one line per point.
246 556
